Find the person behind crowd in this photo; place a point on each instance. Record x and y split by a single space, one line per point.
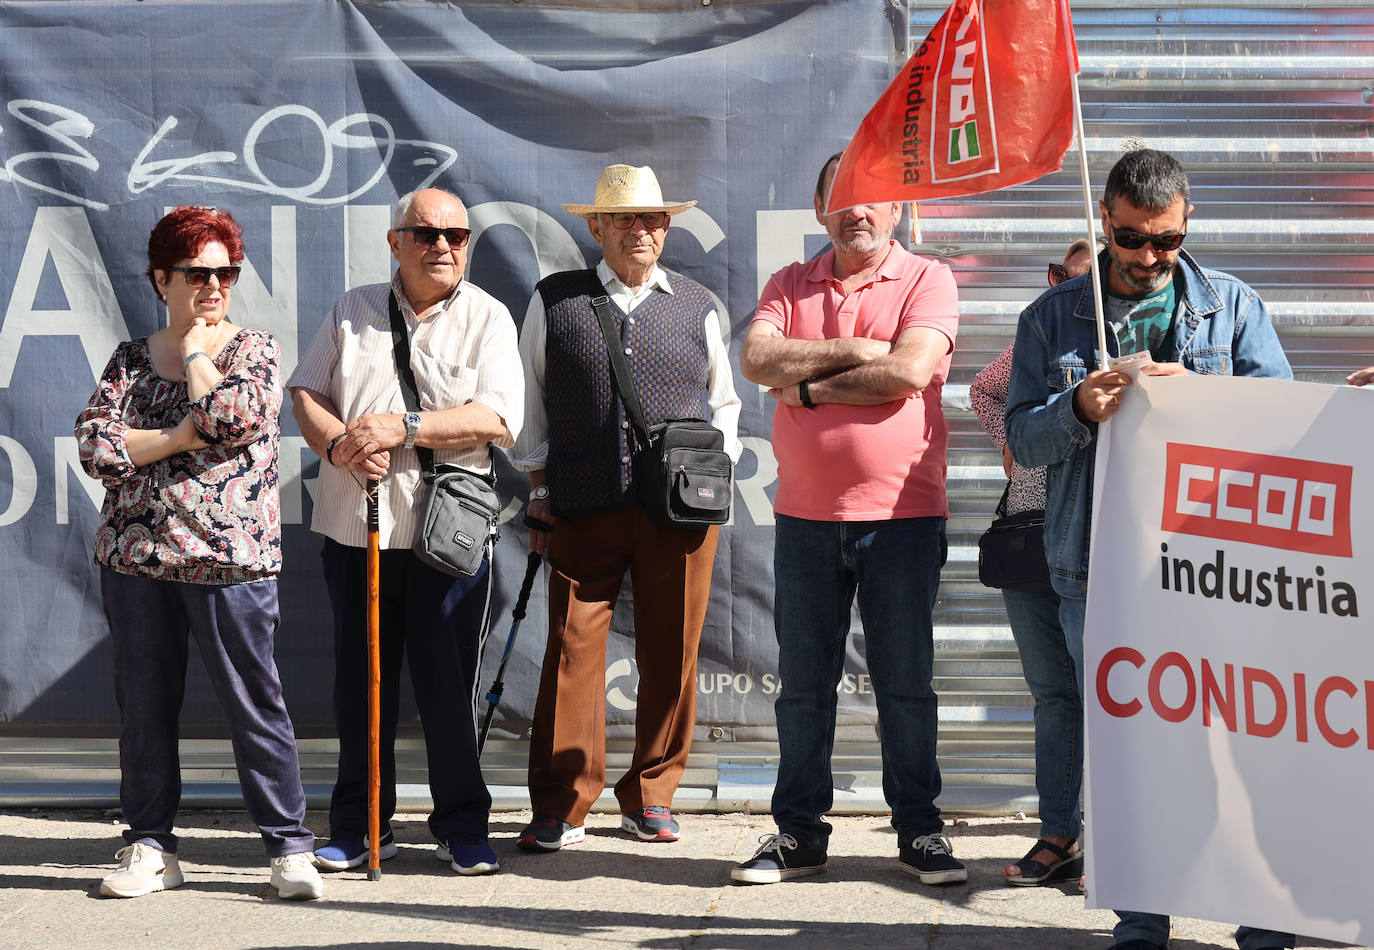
855 347
348 402
1158 299
183 432
577 447
1045 659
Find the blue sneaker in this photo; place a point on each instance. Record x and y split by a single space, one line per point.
340 854
468 857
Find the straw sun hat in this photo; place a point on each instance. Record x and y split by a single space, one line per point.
624 188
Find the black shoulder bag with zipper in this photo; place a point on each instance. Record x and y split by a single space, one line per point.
459 525
681 470
1011 553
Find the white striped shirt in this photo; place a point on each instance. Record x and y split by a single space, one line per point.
462 350
532 448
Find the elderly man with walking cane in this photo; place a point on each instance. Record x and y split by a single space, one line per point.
350 405
579 449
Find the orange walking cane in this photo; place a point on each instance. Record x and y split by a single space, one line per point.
374 687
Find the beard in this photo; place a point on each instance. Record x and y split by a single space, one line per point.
863 241
1143 280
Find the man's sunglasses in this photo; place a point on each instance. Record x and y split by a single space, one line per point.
1134 240
457 238
653 220
1058 274
200 276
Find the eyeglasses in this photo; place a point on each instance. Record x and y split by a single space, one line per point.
200 276
1058 274
1134 240
457 238
653 220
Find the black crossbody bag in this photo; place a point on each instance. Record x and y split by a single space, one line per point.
459 525
682 471
1011 553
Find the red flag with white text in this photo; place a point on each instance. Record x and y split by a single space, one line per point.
985 102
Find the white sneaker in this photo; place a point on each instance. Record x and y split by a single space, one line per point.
142 870
295 877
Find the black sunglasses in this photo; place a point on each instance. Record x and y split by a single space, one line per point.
1058 274
200 276
457 238
653 220
1134 240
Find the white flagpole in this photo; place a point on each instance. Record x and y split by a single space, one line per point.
1089 214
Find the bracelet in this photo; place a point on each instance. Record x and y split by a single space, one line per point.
329 452
804 393
192 358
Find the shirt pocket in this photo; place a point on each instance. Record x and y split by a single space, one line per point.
1215 361
1065 373
441 384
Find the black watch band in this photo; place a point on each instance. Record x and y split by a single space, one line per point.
804 393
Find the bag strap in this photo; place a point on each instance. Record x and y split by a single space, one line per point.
400 348
624 381
1001 511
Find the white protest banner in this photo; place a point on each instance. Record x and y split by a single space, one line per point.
1228 656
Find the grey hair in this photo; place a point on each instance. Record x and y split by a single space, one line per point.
403 203
1149 179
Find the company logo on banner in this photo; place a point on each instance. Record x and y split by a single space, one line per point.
963 105
1289 503
1229 670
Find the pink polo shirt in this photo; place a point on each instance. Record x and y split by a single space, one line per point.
863 463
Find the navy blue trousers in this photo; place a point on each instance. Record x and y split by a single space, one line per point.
436 623
235 627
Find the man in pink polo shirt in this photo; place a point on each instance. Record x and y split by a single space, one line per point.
855 346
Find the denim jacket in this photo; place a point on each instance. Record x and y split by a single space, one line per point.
1221 329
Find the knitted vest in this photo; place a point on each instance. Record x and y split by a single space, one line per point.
591 441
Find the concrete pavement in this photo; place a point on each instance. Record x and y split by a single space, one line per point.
610 891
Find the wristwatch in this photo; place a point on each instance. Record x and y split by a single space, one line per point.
412 421
539 492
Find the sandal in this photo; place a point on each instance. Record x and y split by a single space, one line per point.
1034 873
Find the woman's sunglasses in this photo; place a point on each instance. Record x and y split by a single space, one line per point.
200 276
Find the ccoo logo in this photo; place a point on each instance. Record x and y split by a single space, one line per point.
1270 500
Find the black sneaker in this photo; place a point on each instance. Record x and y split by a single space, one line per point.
931 858
654 823
779 858
547 833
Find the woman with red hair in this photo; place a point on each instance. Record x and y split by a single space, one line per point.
183 432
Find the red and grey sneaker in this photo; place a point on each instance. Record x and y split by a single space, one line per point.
654 823
547 833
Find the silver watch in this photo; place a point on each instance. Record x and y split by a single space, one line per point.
539 492
412 421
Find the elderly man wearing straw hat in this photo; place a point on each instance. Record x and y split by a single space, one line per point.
577 445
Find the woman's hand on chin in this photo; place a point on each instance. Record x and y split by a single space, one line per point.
200 336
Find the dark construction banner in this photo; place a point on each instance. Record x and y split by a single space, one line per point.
306 120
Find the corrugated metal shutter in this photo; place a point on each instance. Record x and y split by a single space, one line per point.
1267 104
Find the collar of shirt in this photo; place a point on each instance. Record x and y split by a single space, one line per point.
409 311
625 298
822 268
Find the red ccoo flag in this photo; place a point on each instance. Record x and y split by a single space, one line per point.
986 102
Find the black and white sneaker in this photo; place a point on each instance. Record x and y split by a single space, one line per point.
654 823
779 858
547 833
931 858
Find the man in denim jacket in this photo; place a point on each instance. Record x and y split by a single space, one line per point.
1185 319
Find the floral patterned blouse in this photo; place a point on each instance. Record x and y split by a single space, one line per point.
988 394
209 516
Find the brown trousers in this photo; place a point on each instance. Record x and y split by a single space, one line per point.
670 570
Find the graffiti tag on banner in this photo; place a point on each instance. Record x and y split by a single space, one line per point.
1229 669
365 134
